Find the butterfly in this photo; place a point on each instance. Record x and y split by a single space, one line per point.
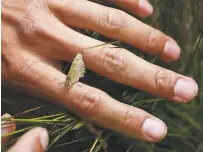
77 70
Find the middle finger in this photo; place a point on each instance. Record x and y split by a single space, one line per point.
116 24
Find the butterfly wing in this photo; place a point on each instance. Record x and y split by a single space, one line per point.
77 70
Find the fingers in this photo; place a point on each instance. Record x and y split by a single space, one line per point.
6 128
91 104
35 140
122 66
114 63
141 8
96 106
118 25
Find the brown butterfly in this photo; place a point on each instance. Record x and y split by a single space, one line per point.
77 70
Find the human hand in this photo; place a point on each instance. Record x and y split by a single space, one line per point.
36 37
35 140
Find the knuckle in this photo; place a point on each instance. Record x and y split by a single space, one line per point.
58 6
36 4
114 19
55 3
164 81
133 119
90 102
113 61
24 70
128 116
31 26
20 67
156 41
152 39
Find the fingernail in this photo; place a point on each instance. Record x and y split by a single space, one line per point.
186 89
6 115
172 50
145 7
44 139
154 129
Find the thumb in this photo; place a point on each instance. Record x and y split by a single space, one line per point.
35 140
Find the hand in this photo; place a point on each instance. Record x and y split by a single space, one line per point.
36 37
35 140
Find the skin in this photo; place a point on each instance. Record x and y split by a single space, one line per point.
6 128
35 140
36 38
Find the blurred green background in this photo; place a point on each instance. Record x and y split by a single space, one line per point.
182 20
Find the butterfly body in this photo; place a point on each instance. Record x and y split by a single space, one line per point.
77 70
